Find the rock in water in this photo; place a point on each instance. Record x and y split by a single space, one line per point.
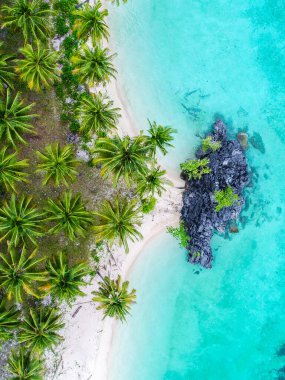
228 168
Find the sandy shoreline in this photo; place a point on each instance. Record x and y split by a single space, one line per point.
85 350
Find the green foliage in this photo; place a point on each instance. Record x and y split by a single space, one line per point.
195 169
148 204
180 234
38 67
65 279
15 119
152 182
90 22
69 215
117 2
225 198
93 66
9 320
208 144
70 44
117 221
61 26
114 298
11 170
23 365
97 114
39 329
29 16
58 164
121 157
160 137
18 273
7 75
20 221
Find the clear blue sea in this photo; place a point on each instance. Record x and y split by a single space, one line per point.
182 63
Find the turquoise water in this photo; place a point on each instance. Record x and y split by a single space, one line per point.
183 62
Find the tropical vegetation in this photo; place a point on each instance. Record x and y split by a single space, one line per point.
40 329
65 279
58 164
15 119
208 144
7 75
69 215
38 68
117 221
195 169
114 298
9 320
11 170
24 365
20 221
160 137
225 198
18 273
180 234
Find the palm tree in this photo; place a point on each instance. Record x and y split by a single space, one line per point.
23 365
18 272
93 66
58 164
9 320
152 182
117 221
122 157
39 330
28 16
11 170
69 215
6 71
97 114
20 221
15 118
38 68
114 298
65 279
160 137
90 22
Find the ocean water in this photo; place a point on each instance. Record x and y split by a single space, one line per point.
184 63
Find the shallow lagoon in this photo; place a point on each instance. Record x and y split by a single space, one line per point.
182 62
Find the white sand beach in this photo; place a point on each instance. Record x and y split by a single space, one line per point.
87 341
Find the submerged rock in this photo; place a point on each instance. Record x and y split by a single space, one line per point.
243 139
228 168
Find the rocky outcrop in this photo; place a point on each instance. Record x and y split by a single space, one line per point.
228 168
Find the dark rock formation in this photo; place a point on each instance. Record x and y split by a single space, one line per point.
229 168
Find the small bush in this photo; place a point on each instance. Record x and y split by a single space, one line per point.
61 28
148 205
195 169
74 126
180 234
225 198
208 144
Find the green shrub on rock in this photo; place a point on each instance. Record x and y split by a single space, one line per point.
208 144
225 198
195 169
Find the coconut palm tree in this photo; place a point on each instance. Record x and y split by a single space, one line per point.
65 279
20 221
121 157
160 137
18 273
114 298
15 119
118 221
9 320
69 215
97 115
38 68
39 329
152 182
6 71
11 170
23 365
93 66
28 16
58 164
90 22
